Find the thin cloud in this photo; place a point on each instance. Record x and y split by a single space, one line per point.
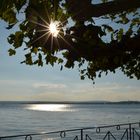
49 85
9 82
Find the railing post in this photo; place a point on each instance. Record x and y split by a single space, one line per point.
133 133
81 134
109 136
130 133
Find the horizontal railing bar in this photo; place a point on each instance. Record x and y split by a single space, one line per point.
122 124
69 130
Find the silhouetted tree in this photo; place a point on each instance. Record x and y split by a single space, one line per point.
100 37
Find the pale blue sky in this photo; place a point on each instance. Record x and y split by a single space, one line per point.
27 83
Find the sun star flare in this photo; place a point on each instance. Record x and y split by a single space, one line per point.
53 28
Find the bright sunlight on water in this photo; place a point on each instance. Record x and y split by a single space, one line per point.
49 107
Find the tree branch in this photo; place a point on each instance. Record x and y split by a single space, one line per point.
127 46
85 10
114 7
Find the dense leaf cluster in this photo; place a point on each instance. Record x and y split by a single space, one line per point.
113 44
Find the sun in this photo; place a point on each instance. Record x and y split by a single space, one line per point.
54 28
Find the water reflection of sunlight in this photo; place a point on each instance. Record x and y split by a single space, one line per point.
49 107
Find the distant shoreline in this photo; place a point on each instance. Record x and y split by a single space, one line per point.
69 102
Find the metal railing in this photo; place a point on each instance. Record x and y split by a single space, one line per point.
127 131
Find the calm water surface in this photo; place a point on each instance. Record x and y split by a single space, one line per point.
16 118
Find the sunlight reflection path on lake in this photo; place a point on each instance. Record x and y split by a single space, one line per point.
50 107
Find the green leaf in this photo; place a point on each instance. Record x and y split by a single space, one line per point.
29 59
35 50
120 34
23 26
108 28
82 77
60 60
11 52
11 38
9 16
18 39
125 20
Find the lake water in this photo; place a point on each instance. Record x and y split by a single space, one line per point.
17 118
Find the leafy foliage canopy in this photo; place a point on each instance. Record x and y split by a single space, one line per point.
98 44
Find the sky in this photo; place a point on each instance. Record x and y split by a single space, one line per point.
19 82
